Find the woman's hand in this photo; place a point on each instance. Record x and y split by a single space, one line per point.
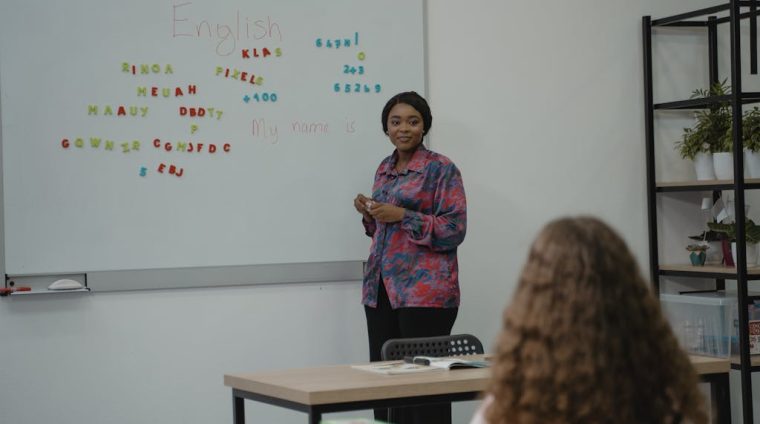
385 212
361 203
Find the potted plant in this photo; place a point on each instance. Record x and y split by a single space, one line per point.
694 146
751 141
751 235
714 241
697 253
710 138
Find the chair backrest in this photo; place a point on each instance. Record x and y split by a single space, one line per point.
453 345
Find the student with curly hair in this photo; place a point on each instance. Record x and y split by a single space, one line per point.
584 339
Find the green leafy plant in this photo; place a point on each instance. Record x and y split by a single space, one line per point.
751 129
710 236
712 131
692 143
751 230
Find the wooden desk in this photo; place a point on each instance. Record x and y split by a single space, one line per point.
316 391
715 371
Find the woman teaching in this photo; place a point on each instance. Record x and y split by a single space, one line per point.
417 217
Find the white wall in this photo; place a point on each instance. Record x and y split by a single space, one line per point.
541 106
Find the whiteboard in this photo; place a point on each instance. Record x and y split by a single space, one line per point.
169 134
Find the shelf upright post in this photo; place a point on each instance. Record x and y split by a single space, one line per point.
739 215
646 26
753 38
712 49
712 54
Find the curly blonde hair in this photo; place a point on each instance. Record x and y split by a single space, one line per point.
584 339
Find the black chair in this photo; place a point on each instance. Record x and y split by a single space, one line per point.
453 345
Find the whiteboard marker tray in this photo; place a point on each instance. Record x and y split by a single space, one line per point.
30 293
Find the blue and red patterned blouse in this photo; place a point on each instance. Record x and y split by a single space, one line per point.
417 256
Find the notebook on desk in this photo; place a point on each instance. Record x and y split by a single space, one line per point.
448 362
396 367
422 364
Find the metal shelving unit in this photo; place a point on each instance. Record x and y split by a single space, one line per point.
705 19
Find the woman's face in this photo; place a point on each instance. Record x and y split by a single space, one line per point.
405 127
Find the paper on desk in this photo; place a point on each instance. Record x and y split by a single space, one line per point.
394 368
451 362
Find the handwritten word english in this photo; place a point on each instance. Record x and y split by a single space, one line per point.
184 24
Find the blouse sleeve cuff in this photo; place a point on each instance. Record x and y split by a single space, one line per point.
413 223
369 227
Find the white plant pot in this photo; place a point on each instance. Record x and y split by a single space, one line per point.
703 164
752 163
751 253
724 165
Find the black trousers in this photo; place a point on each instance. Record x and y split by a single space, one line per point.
384 323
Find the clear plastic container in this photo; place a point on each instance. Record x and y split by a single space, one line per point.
705 323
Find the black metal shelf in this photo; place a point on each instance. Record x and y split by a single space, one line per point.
706 102
711 185
681 20
707 20
707 271
754 365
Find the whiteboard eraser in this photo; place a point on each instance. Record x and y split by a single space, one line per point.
65 284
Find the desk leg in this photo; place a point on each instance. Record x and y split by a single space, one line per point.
314 417
719 391
238 410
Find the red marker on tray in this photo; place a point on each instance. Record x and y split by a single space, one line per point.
8 290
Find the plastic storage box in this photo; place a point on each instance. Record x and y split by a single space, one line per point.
705 323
